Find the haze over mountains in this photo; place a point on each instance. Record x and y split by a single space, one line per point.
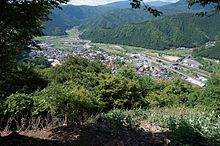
126 4
117 23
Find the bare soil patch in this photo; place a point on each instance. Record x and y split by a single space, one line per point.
96 134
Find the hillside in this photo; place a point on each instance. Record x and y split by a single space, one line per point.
182 6
208 52
116 18
119 17
70 16
126 4
109 16
178 30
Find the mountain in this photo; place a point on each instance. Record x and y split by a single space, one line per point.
182 7
185 30
158 3
116 18
71 16
119 4
121 16
208 52
108 16
126 4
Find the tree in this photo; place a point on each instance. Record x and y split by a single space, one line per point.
73 102
128 73
20 21
119 92
137 4
211 94
18 104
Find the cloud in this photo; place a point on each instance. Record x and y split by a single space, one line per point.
99 2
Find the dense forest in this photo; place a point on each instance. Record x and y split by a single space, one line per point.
61 20
109 15
208 52
116 18
185 30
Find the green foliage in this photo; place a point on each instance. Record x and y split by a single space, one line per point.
186 126
18 104
184 134
209 65
195 129
148 85
40 62
20 78
120 119
119 92
185 30
174 94
20 21
128 73
115 18
79 70
71 16
210 94
137 4
208 52
71 100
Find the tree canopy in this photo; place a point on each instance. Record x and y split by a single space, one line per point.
20 21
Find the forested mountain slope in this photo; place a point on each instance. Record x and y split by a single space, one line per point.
116 18
170 31
108 16
70 16
208 52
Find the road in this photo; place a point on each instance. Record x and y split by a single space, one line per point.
187 77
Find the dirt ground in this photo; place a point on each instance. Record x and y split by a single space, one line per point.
86 135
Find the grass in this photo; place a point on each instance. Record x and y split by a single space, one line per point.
73 33
173 52
209 65
112 49
187 126
59 41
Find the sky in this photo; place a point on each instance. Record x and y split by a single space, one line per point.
99 2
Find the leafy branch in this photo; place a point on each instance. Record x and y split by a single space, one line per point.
137 4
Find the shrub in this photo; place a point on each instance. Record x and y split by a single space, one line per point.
182 133
121 118
18 104
72 101
119 92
